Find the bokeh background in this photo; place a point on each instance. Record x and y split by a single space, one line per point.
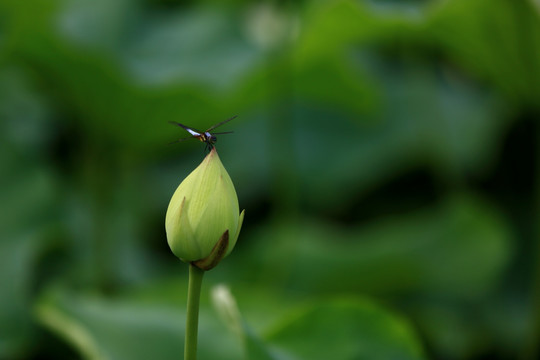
385 151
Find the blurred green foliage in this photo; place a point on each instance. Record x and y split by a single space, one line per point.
386 153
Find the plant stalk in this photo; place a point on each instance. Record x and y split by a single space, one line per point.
192 315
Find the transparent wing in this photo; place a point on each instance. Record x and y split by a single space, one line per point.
192 131
221 133
183 139
221 123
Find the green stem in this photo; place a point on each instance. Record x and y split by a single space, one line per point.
192 316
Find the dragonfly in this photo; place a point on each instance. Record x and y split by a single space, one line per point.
207 137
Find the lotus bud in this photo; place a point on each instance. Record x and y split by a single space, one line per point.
203 220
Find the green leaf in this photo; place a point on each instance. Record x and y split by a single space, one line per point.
341 328
132 327
447 126
458 248
498 41
150 323
28 208
350 328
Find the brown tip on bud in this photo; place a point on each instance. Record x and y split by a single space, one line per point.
217 254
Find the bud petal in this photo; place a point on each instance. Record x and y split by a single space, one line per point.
217 254
235 237
202 209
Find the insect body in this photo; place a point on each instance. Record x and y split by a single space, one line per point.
204 136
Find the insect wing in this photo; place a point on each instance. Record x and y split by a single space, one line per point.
221 133
183 139
221 123
193 132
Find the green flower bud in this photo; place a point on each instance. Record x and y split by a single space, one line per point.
203 220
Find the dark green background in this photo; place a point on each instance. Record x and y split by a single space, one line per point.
386 153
